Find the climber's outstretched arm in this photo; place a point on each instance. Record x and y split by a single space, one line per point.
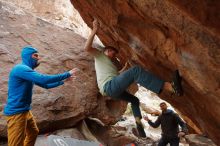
88 45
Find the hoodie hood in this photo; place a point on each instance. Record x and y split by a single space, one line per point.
26 54
168 111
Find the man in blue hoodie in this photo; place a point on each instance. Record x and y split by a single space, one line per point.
169 122
22 128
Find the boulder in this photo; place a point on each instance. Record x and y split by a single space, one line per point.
198 140
60 50
162 36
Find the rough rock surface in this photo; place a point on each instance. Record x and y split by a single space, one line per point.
116 135
197 140
162 36
60 50
58 12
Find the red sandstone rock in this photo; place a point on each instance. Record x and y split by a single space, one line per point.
60 50
162 36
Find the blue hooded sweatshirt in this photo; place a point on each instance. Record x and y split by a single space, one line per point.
21 80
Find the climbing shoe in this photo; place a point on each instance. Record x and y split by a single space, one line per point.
176 84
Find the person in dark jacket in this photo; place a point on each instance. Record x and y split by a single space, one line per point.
169 122
22 128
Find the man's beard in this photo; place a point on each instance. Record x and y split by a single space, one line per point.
37 65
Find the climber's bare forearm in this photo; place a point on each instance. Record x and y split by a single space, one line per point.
88 45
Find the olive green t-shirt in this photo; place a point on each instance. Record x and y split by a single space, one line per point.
105 70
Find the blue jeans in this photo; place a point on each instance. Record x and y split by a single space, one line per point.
134 103
172 141
116 88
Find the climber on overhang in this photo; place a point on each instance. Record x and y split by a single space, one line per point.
22 128
113 84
